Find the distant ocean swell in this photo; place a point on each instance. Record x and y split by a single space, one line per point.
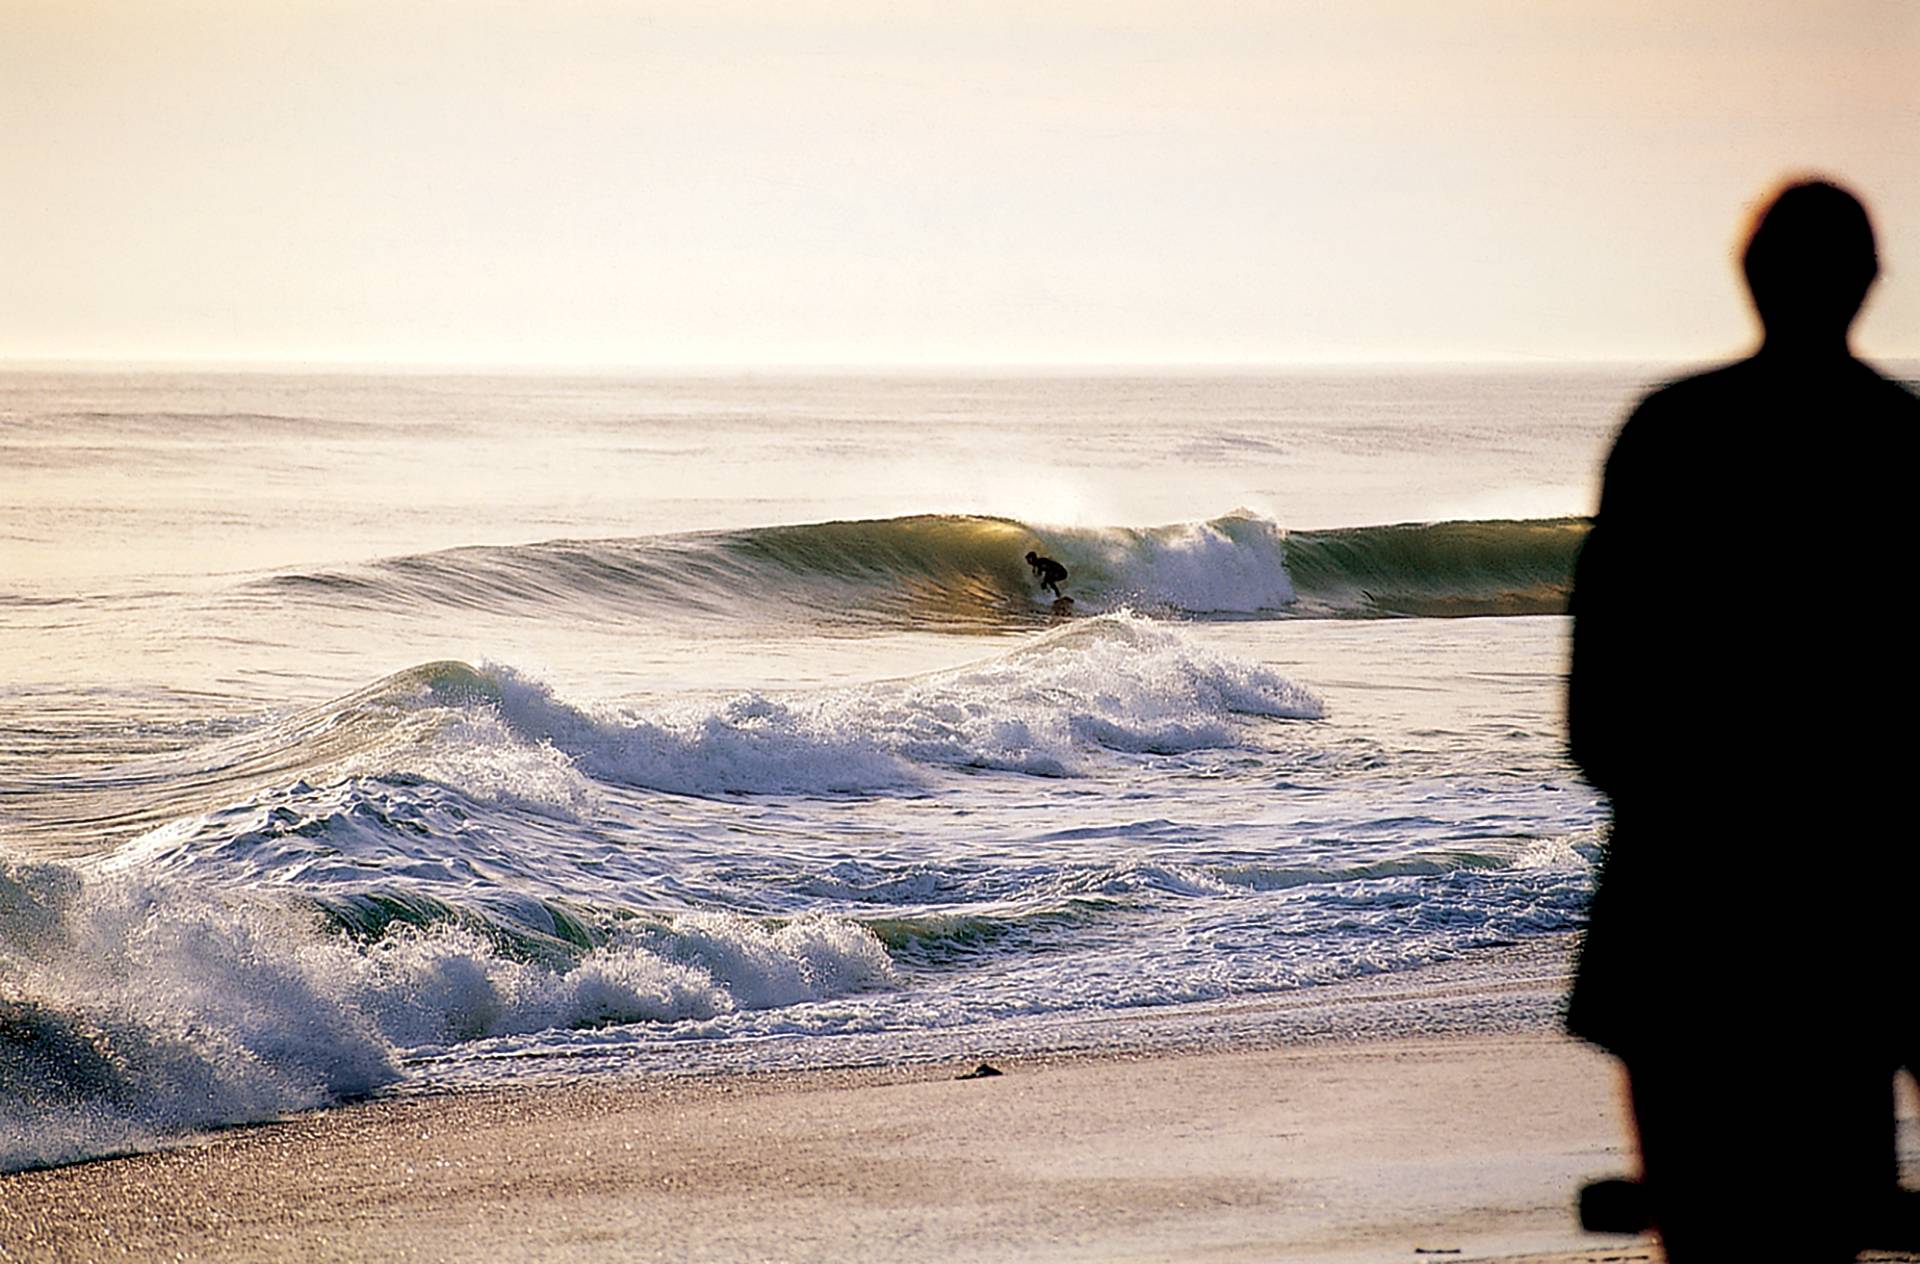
955 571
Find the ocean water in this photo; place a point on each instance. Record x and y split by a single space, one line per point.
377 734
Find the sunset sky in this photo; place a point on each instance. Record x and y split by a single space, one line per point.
707 183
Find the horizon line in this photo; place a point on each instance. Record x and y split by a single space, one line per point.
92 364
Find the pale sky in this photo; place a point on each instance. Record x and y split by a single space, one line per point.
710 183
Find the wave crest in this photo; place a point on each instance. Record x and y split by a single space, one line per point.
134 1008
958 572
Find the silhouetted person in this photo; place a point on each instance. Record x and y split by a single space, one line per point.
1048 572
1740 691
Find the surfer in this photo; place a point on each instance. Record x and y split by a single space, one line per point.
1048 572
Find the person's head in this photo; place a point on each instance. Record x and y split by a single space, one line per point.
1809 261
1031 557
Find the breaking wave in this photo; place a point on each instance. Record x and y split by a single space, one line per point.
967 572
454 861
134 1007
1081 694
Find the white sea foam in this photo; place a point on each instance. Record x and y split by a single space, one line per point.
132 1007
1119 683
1231 565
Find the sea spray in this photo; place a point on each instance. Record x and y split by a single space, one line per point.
1057 705
1119 683
132 1007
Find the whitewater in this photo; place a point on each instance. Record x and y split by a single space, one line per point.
371 734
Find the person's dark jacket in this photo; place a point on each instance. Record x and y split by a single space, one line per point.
1741 691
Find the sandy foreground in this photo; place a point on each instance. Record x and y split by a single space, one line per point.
1468 1148
1433 1150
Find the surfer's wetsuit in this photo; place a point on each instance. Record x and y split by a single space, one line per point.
1047 571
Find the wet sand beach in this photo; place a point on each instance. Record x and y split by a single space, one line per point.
1468 1148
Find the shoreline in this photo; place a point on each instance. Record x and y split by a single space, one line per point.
1507 989
1467 1147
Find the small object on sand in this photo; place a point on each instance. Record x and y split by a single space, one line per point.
982 1072
1436 1250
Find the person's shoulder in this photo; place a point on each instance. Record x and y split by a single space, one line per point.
1675 426
1707 384
1662 413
